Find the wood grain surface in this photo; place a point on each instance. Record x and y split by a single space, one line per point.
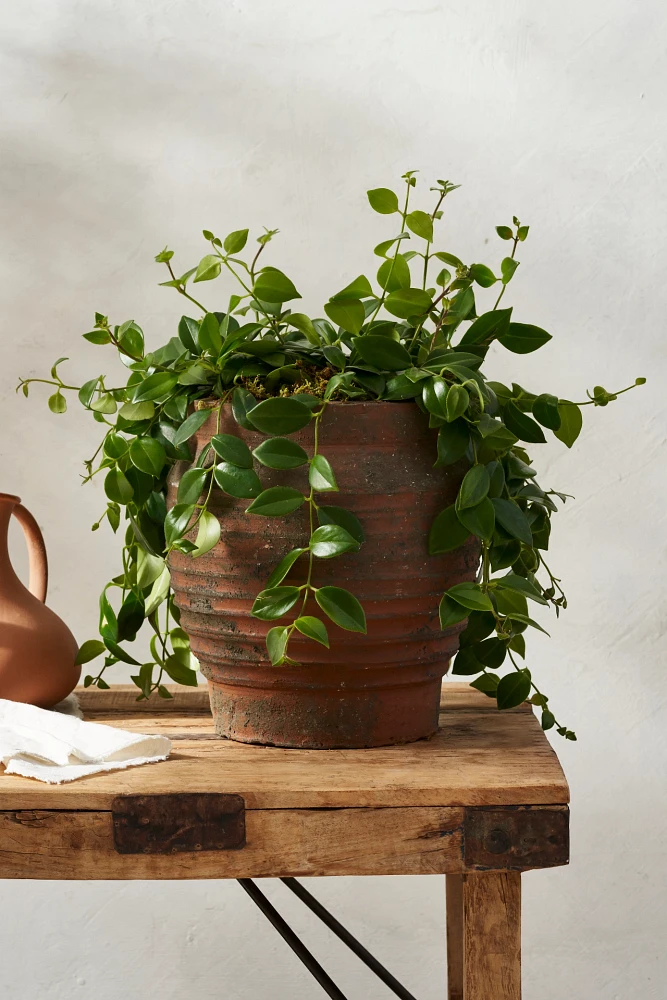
279 842
479 757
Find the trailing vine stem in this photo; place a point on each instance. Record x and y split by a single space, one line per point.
280 373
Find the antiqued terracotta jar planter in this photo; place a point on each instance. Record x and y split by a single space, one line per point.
366 690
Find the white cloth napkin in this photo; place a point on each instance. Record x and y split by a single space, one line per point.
56 747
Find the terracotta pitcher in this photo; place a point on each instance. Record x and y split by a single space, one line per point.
37 650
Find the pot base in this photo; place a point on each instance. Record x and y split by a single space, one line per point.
326 718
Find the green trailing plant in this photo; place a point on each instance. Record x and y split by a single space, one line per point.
420 333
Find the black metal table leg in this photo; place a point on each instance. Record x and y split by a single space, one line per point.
334 925
348 939
292 940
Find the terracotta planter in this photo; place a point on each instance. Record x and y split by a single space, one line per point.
37 650
367 690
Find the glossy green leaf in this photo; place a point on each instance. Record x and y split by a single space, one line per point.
394 273
280 415
342 607
89 650
507 268
242 403
231 448
208 268
434 396
447 533
276 643
491 652
118 487
208 533
457 401
453 442
480 624
344 518
190 426
276 501
148 455
483 275
236 241
451 612
421 224
137 411
188 330
283 567
274 602
510 602
58 403
236 481
331 540
466 663
348 314
191 485
272 285
313 628
159 591
504 232
519 583
487 327
304 325
210 339
179 673
407 302
130 617
571 422
401 387
487 683
522 338
156 386
177 521
119 652
383 200
525 620
320 474
479 520
519 423
280 453
474 488
360 288
149 568
510 517
470 595
545 409
383 353
513 689
105 403
448 258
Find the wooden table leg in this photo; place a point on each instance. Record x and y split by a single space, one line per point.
454 885
484 936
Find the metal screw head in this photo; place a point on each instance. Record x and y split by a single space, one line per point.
498 841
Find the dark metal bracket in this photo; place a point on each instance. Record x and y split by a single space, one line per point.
177 823
305 956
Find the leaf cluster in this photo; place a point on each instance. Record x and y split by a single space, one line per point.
418 331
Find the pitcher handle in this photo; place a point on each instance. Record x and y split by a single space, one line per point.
39 569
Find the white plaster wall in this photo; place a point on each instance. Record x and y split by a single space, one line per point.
127 124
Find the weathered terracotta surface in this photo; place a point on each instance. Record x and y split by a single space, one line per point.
367 690
37 650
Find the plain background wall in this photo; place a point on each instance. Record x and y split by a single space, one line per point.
128 125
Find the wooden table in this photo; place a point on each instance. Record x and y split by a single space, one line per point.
481 802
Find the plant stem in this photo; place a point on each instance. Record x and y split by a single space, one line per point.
181 289
404 214
502 290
